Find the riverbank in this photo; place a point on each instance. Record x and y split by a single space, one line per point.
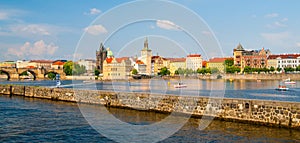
269 113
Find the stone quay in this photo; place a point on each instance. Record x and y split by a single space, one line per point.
262 112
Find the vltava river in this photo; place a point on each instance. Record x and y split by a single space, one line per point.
38 120
250 89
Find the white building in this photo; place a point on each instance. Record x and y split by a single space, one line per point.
89 64
284 60
22 64
194 61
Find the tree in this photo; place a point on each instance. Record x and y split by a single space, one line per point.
97 72
214 70
229 62
298 68
71 68
279 69
272 69
68 68
247 69
51 75
134 71
164 71
78 69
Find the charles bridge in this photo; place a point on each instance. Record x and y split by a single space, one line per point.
37 73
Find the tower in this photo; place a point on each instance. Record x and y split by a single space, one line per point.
146 55
100 57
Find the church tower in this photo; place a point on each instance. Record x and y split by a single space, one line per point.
146 55
100 57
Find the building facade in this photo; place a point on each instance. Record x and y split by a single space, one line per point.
284 60
176 63
217 63
194 61
158 63
117 68
89 64
250 58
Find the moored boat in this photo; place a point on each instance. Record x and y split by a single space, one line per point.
288 81
180 85
282 88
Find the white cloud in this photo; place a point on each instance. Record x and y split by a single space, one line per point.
276 24
272 15
284 19
37 49
35 29
3 15
298 44
94 11
166 24
95 29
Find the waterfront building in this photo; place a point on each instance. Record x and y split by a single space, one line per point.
89 65
250 58
57 65
116 68
41 64
176 63
284 60
194 61
146 57
140 67
158 63
8 64
22 64
217 63
100 58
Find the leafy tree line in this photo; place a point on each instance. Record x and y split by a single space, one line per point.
71 68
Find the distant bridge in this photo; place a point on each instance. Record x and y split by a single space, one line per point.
38 73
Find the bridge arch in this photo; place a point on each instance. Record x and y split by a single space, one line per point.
47 72
5 72
31 72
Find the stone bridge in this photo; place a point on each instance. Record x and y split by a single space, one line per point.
38 73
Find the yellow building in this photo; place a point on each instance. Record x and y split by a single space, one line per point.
175 64
217 63
116 68
158 63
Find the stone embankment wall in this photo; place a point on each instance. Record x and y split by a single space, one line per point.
260 76
271 113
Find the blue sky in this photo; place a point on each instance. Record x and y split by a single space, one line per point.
52 29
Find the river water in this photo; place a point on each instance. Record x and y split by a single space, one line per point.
249 89
38 120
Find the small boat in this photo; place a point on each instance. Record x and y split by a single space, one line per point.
288 81
282 88
180 85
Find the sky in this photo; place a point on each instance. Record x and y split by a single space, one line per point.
53 29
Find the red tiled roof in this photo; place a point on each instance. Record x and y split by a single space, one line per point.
217 60
139 62
284 56
194 55
41 61
176 59
119 60
58 63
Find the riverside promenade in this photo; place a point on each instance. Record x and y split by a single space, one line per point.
269 113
